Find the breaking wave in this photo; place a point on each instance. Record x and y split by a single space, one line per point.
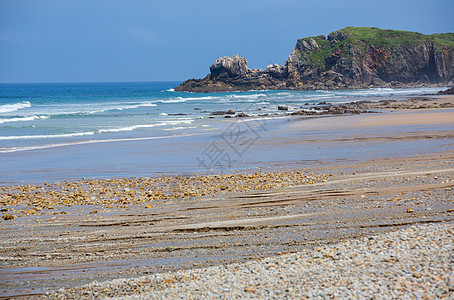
6 108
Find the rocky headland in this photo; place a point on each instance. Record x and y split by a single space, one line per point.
353 57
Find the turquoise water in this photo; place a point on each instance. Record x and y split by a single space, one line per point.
36 116
50 132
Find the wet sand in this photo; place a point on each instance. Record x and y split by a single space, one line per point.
71 233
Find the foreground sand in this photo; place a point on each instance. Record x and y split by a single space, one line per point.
415 262
361 199
72 233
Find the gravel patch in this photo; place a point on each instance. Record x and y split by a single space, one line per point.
416 262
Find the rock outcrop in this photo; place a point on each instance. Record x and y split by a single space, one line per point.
349 58
447 92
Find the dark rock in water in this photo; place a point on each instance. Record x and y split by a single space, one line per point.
305 113
242 115
348 58
218 113
301 113
221 113
178 114
447 92
280 107
386 102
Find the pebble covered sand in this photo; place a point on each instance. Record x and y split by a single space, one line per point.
415 262
35 200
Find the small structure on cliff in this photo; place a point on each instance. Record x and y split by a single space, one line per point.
353 57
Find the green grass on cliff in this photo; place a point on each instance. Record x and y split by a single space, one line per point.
388 38
383 38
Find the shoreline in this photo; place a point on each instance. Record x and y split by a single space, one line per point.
95 242
396 173
145 157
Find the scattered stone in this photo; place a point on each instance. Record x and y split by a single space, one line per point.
357 268
8 217
221 113
242 115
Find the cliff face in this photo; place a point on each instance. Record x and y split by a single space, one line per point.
349 58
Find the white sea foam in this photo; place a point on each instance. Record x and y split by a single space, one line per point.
134 106
170 90
23 119
5 108
383 92
98 131
185 99
112 106
179 128
93 108
134 127
46 136
17 149
248 96
182 100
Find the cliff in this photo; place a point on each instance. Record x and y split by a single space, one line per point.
353 57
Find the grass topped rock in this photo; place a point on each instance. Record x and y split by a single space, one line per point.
353 57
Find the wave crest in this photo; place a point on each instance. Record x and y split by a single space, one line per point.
6 108
98 131
23 119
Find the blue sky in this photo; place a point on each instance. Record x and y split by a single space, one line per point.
134 40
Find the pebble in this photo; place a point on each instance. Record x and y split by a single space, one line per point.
415 262
128 191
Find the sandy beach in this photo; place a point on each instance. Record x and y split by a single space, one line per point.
385 176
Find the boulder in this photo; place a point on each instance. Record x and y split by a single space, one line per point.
229 67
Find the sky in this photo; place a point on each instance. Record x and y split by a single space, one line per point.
173 40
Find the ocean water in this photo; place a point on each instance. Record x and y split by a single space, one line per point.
56 131
37 116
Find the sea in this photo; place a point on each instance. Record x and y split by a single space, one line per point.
54 131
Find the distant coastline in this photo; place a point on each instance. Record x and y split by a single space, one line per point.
350 58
